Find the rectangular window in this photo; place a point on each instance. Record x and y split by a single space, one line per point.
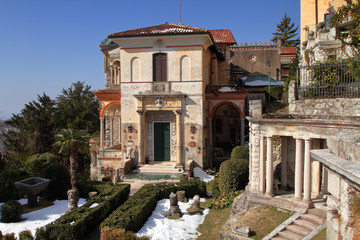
160 67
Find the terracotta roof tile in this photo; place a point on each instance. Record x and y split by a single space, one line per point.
107 91
288 50
222 36
219 35
162 29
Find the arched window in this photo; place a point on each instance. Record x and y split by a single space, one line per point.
135 69
184 68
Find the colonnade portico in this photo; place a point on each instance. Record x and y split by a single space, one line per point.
302 178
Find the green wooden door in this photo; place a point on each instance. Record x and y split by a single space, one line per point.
162 141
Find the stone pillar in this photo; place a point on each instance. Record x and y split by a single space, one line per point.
179 145
269 167
101 134
284 161
242 131
111 130
112 75
262 165
307 171
141 137
211 148
298 168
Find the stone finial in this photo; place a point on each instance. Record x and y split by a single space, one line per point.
255 44
265 44
245 44
181 196
241 44
250 44
73 197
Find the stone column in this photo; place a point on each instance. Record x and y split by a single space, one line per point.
211 150
269 167
298 168
141 137
262 165
101 134
284 161
307 171
112 75
179 145
242 131
111 130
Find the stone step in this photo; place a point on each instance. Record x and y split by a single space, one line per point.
306 223
313 218
298 229
278 238
290 235
160 170
318 212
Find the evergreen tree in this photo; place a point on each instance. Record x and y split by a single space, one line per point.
31 131
287 33
349 33
77 108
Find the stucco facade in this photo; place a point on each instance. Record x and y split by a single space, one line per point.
158 83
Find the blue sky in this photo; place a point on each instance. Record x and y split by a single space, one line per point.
45 45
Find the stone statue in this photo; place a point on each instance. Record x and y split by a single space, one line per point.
174 211
129 152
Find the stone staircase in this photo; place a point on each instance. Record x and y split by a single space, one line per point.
305 226
160 167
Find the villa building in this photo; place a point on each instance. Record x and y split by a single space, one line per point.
167 99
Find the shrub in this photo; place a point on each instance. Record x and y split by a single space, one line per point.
234 175
7 183
240 152
26 235
110 233
132 215
36 163
106 179
224 200
78 222
40 234
9 236
11 211
215 189
59 181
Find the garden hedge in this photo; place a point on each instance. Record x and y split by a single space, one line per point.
234 175
133 214
240 152
77 223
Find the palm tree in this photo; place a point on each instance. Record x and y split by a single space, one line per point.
72 140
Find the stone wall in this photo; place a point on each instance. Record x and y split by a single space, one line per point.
337 107
339 201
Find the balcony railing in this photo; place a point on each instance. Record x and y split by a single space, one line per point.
340 80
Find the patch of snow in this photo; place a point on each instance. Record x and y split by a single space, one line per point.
208 193
38 218
172 30
159 227
227 89
198 172
93 205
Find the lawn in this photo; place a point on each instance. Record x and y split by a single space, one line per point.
262 220
213 221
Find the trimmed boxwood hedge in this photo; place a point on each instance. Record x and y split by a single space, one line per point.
133 214
78 222
234 175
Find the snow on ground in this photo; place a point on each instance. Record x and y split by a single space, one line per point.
37 218
198 172
159 227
